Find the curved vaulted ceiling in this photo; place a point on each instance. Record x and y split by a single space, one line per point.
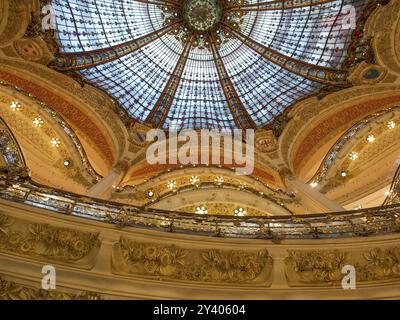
206 63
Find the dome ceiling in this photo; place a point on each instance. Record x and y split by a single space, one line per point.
205 63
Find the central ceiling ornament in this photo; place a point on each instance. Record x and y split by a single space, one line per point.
202 15
202 21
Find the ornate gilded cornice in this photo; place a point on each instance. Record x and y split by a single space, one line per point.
75 142
314 122
110 144
347 137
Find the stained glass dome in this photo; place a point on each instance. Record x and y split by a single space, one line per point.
206 63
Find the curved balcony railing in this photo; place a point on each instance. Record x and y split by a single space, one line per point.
366 222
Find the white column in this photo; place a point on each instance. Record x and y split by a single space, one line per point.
104 187
311 198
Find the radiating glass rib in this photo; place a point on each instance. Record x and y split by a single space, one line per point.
199 101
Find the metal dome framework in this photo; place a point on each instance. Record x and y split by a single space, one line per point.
241 68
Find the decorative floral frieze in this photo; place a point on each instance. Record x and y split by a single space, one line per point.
379 264
315 266
173 262
325 267
43 240
10 290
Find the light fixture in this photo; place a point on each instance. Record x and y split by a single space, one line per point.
371 138
353 155
391 124
389 192
171 184
313 184
242 185
38 122
201 210
15 106
150 193
55 142
219 180
165 222
343 173
240 212
67 163
194 180
358 207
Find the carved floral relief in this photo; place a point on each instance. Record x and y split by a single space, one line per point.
173 262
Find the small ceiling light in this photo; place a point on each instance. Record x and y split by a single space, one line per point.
371 138
150 193
358 207
242 185
353 155
165 222
38 122
55 142
389 192
343 174
67 163
391 124
195 180
219 180
240 212
171 184
15 106
201 210
313 184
